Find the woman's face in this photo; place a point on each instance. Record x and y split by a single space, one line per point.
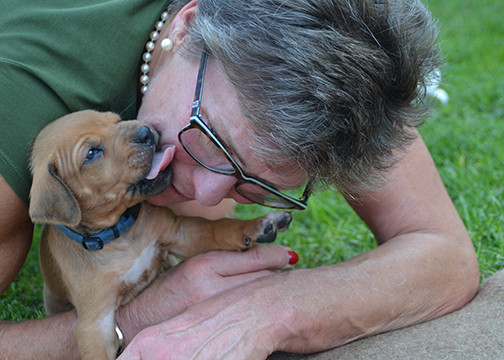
167 107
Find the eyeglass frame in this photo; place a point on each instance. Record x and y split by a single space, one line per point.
195 122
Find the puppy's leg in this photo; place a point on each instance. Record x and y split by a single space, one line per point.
56 297
196 235
95 327
53 304
96 336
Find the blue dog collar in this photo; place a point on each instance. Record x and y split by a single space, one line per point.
96 242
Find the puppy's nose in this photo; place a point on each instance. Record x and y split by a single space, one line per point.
145 136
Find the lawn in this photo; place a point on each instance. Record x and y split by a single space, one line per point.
465 138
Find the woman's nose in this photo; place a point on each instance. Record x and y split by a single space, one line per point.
210 188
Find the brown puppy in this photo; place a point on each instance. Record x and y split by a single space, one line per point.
90 170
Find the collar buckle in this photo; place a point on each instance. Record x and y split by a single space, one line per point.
92 243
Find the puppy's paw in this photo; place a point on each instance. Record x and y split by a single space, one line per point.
267 228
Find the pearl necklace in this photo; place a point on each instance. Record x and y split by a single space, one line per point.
147 56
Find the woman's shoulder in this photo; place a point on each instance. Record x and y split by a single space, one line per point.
59 56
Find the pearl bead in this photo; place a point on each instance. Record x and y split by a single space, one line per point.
144 79
147 57
145 68
154 35
150 46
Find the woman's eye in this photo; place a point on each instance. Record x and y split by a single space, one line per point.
92 154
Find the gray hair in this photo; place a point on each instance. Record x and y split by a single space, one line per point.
334 86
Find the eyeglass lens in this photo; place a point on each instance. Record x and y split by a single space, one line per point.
210 155
203 148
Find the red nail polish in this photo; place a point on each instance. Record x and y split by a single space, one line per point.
293 258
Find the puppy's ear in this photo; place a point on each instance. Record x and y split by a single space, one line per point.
51 201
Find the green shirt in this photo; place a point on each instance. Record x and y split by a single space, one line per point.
61 56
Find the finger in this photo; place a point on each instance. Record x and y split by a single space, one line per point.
129 354
237 280
142 342
262 257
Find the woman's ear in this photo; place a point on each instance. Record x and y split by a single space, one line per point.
182 22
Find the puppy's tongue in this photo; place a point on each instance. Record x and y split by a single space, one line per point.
161 161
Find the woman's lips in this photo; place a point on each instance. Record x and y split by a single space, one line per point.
170 196
173 192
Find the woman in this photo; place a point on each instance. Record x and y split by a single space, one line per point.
291 94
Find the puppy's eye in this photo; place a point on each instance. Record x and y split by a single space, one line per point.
93 153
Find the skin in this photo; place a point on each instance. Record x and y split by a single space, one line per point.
232 305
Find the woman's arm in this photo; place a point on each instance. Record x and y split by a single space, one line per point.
34 339
424 267
16 231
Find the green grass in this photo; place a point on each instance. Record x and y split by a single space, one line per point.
465 138
23 298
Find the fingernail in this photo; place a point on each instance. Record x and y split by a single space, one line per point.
293 258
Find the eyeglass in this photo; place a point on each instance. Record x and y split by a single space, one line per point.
205 147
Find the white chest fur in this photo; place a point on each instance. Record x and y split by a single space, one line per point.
141 264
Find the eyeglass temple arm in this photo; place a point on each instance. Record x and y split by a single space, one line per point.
199 85
307 191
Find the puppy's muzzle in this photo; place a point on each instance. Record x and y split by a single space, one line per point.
148 137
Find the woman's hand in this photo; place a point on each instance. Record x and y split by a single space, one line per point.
241 323
197 279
